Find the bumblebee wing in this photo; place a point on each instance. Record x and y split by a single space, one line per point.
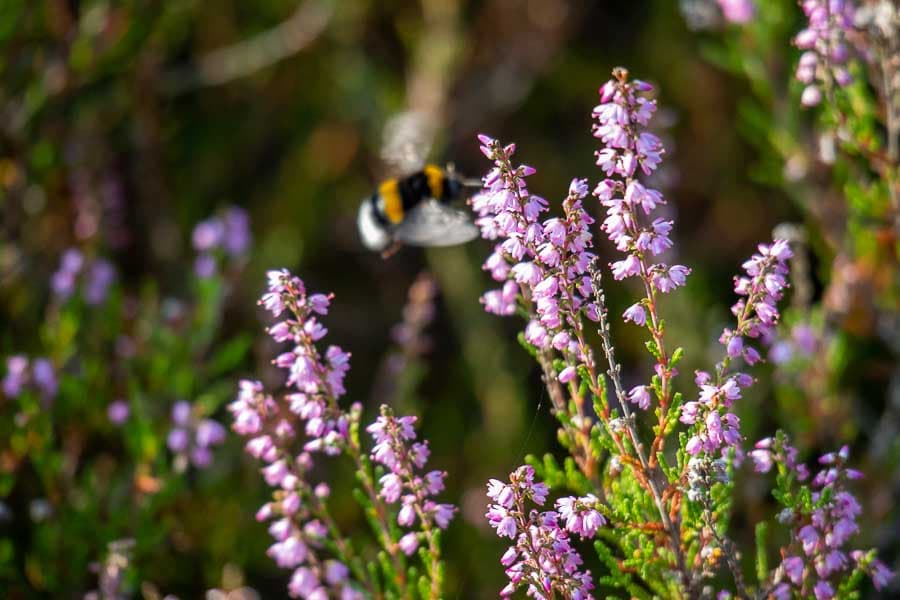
434 224
406 143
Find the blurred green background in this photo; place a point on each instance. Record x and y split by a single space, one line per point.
151 116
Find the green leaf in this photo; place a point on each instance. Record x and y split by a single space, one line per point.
229 355
528 347
762 561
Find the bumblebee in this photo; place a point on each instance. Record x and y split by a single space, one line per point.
414 209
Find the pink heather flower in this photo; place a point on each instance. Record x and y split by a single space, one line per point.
809 537
734 346
409 543
503 301
640 395
689 412
762 460
207 235
336 572
264 513
407 515
793 567
117 412
716 429
501 520
281 529
442 513
629 267
391 487
580 515
823 590
289 553
567 374
694 445
44 376
303 583
509 557
737 11
178 440
16 375
209 433
881 575
541 546
64 280
636 314
500 493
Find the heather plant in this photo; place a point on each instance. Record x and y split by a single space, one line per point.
394 491
653 469
102 414
828 136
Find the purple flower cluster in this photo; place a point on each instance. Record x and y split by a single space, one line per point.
622 118
803 342
96 277
825 49
761 288
543 262
316 382
629 223
229 233
190 438
298 535
396 449
715 427
542 558
771 451
317 377
817 558
18 376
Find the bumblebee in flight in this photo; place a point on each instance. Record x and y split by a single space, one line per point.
414 209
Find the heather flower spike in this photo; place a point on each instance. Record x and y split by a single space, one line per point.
542 558
826 52
307 424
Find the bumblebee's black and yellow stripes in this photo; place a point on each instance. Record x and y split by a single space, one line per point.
415 210
396 197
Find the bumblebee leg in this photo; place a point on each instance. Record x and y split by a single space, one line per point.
392 250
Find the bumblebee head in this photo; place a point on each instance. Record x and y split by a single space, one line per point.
453 186
373 230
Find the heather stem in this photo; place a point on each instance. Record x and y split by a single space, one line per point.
407 468
727 549
654 323
671 526
381 512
